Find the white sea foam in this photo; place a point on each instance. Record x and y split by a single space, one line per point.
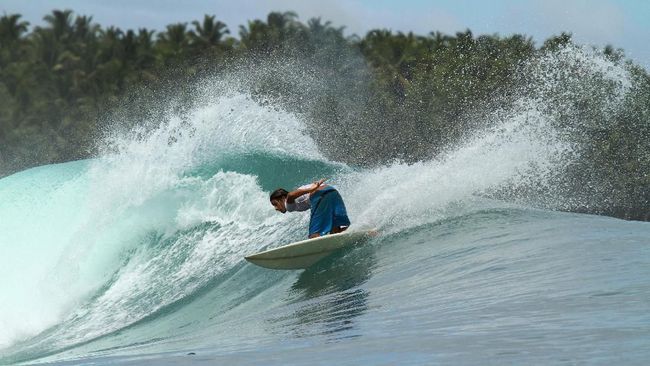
138 188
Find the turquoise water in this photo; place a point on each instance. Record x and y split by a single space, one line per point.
136 256
491 285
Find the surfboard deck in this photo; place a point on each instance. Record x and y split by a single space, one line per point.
305 253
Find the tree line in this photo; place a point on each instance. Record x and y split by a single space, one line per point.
418 94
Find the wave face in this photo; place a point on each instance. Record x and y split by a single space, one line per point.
138 254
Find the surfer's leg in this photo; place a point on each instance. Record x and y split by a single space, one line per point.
320 223
322 214
340 220
330 217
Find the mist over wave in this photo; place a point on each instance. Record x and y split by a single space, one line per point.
148 191
169 208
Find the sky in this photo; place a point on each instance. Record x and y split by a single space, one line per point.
621 23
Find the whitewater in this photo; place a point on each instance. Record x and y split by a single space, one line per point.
136 256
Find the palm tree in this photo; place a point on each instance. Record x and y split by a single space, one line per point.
280 29
51 42
45 47
110 45
255 36
146 55
439 40
11 29
85 44
174 43
386 50
556 42
286 30
394 56
282 21
209 33
320 32
130 47
84 30
60 22
11 38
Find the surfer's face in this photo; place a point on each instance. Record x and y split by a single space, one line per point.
279 205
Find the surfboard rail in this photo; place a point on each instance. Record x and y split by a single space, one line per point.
305 253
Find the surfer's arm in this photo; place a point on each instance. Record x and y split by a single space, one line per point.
291 196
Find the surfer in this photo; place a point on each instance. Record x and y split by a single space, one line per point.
328 214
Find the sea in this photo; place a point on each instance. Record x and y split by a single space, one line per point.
136 256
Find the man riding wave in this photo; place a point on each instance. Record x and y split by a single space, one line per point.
328 213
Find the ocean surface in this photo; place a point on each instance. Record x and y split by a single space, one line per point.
137 256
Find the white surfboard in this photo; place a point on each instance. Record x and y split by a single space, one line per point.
302 254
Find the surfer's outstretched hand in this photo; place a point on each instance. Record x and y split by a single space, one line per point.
319 183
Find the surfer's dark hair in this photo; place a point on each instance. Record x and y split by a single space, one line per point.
278 193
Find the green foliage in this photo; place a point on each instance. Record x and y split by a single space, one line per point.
413 95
